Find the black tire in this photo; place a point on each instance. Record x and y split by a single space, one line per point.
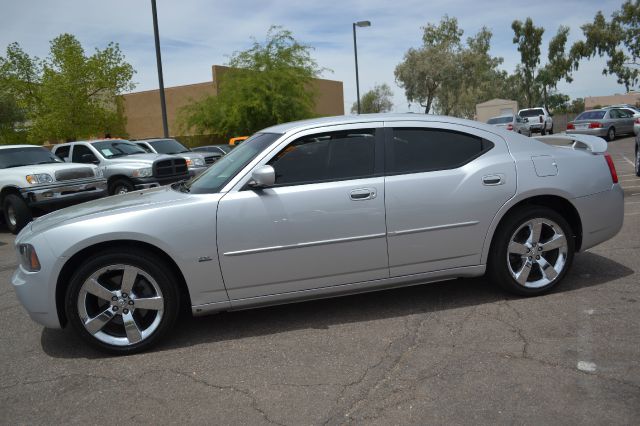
611 134
16 213
121 186
638 159
498 264
551 130
113 328
543 131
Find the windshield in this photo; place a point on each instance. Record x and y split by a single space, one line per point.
111 149
500 120
591 115
531 112
168 146
26 156
222 171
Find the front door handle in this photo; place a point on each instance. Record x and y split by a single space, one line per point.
491 180
362 194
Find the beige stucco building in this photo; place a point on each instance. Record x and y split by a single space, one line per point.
144 117
495 107
631 98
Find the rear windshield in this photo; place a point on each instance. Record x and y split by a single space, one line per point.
591 115
531 112
27 156
500 120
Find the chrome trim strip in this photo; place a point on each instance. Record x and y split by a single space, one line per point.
432 228
301 245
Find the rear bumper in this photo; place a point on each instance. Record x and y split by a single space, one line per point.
60 195
602 132
601 214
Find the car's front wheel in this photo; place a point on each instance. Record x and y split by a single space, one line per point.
121 186
122 301
531 252
16 213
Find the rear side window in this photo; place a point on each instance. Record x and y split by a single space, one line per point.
424 150
326 157
63 152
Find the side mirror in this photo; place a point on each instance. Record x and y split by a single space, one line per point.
89 159
262 177
526 120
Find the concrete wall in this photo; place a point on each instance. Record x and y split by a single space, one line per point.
144 117
629 98
495 107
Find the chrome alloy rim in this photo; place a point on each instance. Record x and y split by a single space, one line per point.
537 253
11 215
120 305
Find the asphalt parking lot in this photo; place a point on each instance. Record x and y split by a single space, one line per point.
458 352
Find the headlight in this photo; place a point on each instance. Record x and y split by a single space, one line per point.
29 258
198 161
146 172
39 178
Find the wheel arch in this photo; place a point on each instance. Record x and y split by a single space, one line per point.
9 189
557 203
74 261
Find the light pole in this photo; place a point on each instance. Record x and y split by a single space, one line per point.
163 105
355 52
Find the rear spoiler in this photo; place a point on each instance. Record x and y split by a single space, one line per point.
590 143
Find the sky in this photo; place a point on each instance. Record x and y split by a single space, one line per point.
195 34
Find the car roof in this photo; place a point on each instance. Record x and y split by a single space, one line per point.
296 126
154 140
20 146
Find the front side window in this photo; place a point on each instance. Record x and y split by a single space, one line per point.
423 150
324 157
168 146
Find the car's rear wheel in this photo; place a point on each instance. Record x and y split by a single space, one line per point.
122 301
611 134
543 132
16 213
120 186
532 251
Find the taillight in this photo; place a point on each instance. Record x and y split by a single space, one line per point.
638 120
612 167
570 126
595 125
509 126
541 119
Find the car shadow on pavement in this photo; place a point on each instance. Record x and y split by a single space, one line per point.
588 270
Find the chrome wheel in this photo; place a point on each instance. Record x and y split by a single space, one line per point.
120 305
537 253
11 215
121 190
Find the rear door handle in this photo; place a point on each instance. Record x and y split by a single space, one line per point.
492 180
362 194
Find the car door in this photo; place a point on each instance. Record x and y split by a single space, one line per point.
627 116
444 184
322 223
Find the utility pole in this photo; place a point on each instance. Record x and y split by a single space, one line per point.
163 105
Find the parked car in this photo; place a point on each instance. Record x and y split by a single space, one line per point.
196 162
636 126
604 122
125 165
540 121
237 140
32 179
322 208
512 122
217 150
635 112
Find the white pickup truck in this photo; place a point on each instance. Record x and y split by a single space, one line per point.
32 179
540 121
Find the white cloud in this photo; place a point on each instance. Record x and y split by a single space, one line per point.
196 34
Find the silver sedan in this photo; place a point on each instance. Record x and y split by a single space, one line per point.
512 122
322 208
606 122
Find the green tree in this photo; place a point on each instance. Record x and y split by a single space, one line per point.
375 100
528 37
576 106
11 118
267 84
558 67
68 94
618 39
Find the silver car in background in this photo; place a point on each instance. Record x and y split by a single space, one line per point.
322 208
512 122
605 122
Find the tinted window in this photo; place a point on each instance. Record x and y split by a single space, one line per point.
591 115
144 146
223 170
16 157
118 148
326 157
79 151
63 152
423 150
531 112
168 146
500 120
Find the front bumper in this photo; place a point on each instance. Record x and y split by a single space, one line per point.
601 132
153 182
61 194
